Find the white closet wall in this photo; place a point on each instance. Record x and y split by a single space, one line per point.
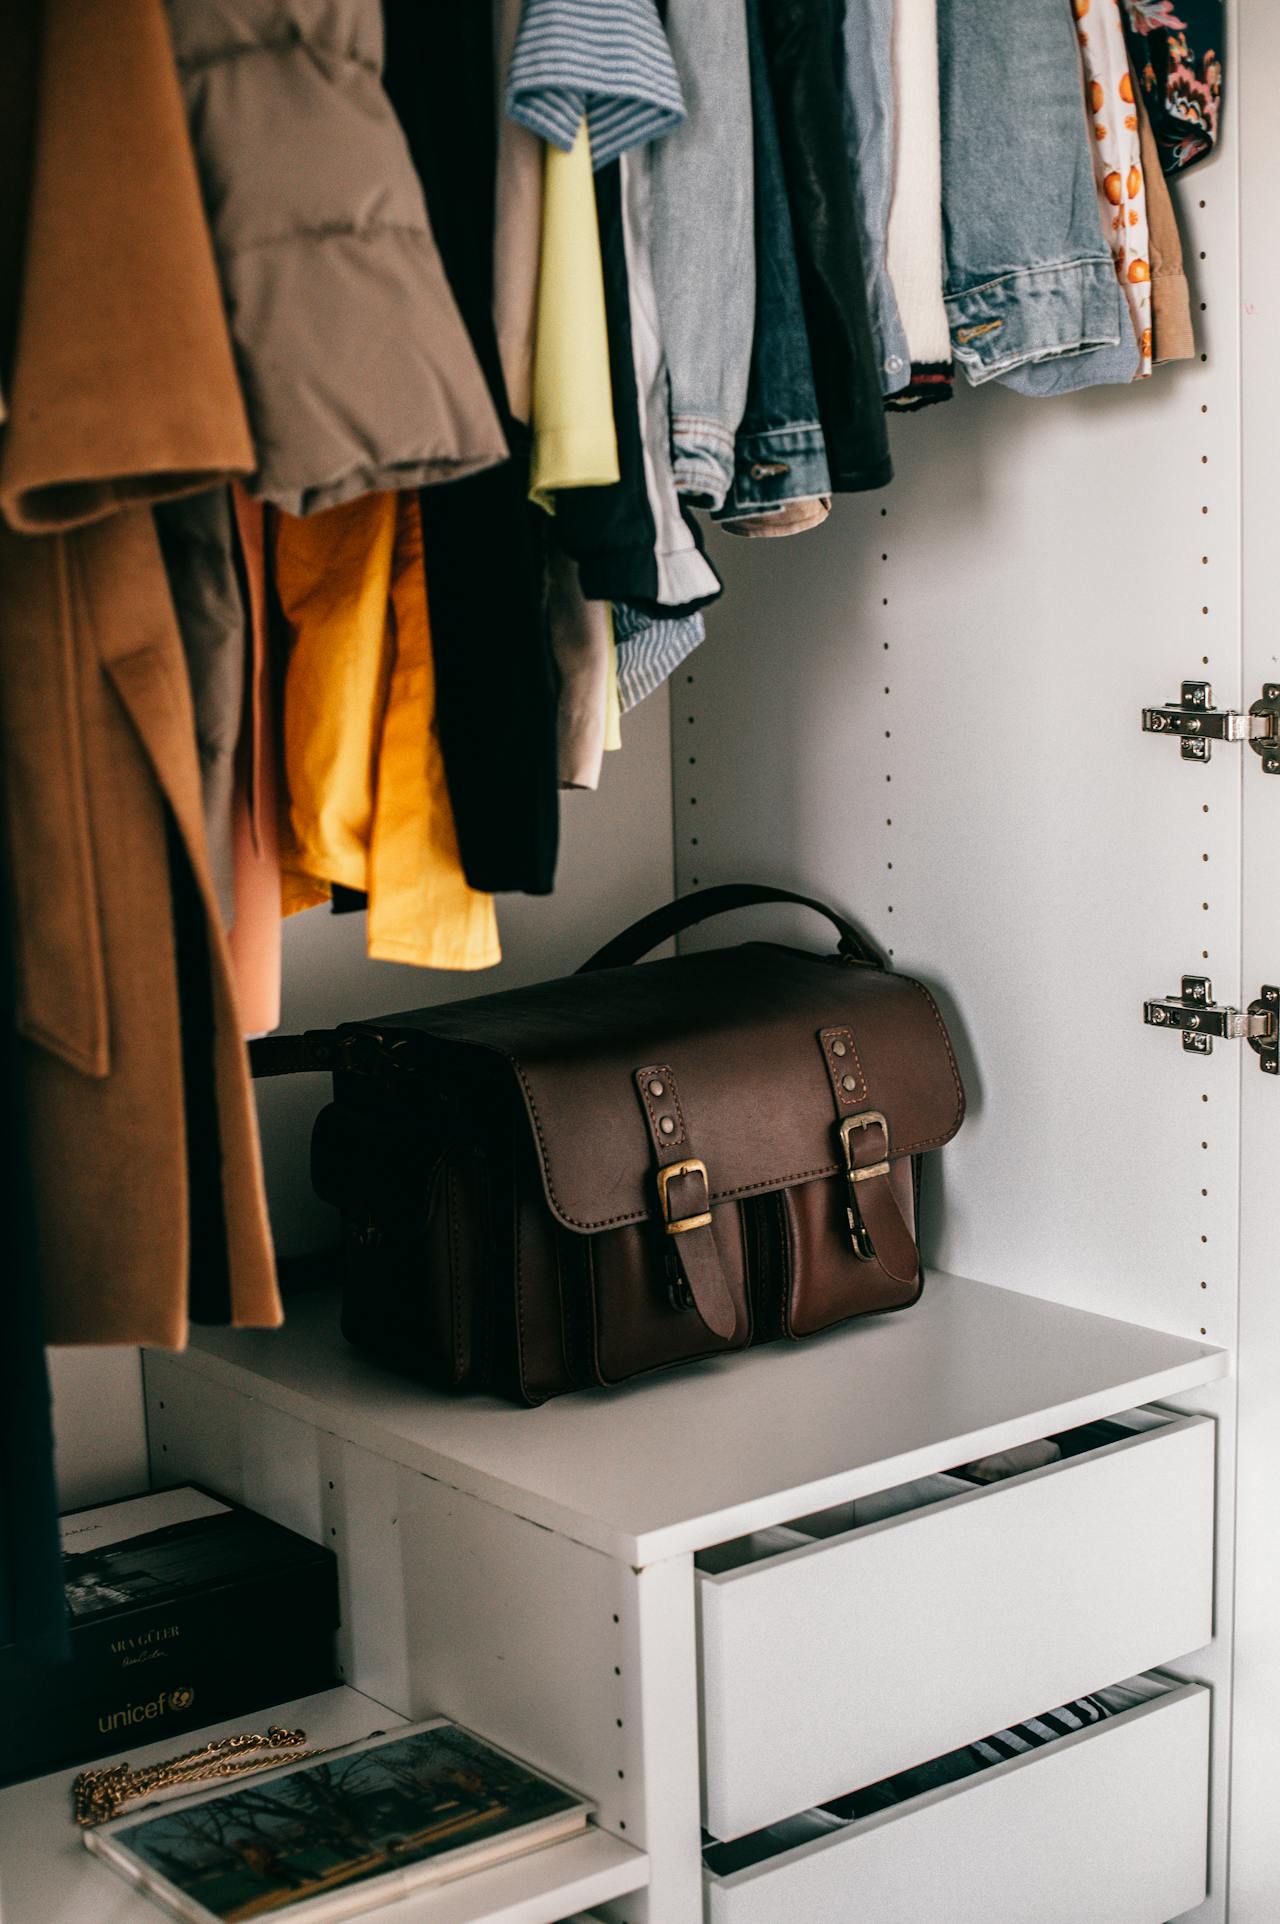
98 1424
929 711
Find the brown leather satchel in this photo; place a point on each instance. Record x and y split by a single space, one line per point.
647 1162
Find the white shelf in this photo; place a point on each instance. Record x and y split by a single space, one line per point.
48 1877
700 1454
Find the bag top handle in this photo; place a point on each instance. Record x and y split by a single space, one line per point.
686 912
282 1055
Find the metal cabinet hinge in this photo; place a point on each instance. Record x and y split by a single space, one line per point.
1198 724
1201 1020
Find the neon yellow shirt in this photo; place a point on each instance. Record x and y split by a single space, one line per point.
574 443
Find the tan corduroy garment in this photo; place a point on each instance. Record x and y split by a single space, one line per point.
122 391
1173 338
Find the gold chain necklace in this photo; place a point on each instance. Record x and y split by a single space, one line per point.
98 1795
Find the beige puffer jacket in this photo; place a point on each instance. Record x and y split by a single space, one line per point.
357 371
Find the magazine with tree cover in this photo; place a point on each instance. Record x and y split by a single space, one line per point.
343 1832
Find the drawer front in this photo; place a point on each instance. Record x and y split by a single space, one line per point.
833 1666
1110 1825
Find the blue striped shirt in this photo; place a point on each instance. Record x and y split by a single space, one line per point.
650 650
607 59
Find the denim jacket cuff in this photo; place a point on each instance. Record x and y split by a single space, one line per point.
776 465
1036 314
701 458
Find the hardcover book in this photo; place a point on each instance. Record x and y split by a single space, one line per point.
341 1833
183 1610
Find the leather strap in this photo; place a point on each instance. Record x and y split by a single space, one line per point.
848 1084
887 1227
685 1200
291 1055
877 1223
646 934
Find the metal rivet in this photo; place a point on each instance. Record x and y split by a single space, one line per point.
838 1049
849 1082
667 1125
657 1088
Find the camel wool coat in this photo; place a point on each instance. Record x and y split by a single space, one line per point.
117 367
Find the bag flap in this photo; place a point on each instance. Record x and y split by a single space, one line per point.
738 1029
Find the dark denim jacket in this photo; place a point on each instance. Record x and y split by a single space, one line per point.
779 452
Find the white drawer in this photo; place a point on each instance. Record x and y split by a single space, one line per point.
840 1662
1109 1824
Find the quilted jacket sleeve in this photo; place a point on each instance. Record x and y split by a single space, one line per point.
356 367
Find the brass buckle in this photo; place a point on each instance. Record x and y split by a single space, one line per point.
847 1128
665 1176
863 1247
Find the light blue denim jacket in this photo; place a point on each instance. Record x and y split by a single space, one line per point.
868 63
704 268
1031 290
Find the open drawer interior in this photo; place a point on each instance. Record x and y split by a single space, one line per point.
843 1519
1107 1793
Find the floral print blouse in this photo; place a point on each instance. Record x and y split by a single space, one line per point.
1176 47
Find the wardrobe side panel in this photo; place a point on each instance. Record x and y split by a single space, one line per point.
581 1663
1255 1859
929 712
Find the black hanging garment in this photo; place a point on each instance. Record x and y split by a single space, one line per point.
483 540
32 1599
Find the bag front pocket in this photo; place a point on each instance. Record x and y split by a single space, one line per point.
643 1315
820 1277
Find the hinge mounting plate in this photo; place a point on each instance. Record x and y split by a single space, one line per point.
1267 1046
1198 724
1200 1020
